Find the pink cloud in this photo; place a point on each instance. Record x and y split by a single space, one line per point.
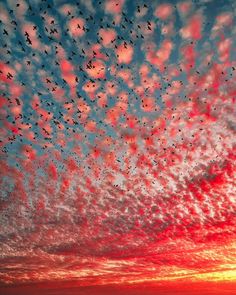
65 9
176 87
29 28
224 19
95 51
16 110
107 36
148 104
124 53
83 107
102 99
66 66
16 90
114 6
113 115
124 74
96 69
76 27
164 52
90 126
111 88
144 70
193 29
163 11
184 7
90 88
224 47
159 57
147 28
168 30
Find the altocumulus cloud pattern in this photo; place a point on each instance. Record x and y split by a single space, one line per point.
117 147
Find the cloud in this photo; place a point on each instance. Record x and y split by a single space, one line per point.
163 11
124 53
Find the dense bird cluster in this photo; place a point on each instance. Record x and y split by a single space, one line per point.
117 139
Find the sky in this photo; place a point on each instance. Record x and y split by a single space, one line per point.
117 147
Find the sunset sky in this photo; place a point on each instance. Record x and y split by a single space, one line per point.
117 147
